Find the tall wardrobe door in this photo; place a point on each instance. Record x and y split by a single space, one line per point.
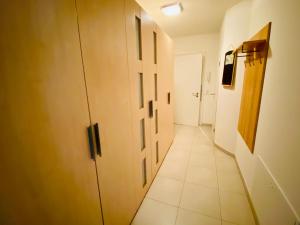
140 98
47 176
165 71
149 64
102 29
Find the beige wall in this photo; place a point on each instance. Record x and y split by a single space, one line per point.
272 172
208 46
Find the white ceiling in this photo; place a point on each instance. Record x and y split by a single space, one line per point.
198 16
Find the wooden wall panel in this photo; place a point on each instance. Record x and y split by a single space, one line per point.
255 66
46 173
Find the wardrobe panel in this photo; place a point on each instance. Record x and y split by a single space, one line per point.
165 60
152 80
170 94
46 173
136 38
103 36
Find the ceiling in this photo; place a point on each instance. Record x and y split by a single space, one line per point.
198 16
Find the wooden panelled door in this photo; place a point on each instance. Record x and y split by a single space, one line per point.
150 88
46 173
139 90
103 38
149 64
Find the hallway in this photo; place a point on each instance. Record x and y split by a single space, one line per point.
197 184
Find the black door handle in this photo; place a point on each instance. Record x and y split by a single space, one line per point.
169 97
151 109
91 142
97 139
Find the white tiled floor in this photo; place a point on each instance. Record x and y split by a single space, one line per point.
197 184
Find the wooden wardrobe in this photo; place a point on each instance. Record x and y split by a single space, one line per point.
86 111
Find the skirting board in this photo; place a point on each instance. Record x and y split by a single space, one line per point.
279 209
268 201
248 194
266 211
270 198
224 150
244 183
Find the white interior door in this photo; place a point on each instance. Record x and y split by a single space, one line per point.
188 69
208 99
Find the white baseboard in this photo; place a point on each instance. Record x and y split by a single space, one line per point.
269 199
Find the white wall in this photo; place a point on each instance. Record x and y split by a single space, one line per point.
272 172
235 29
208 46
278 132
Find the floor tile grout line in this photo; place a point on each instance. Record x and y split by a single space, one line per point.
195 137
233 223
220 189
219 194
156 200
189 182
177 208
205 134
217 173
185 174
170 178
184 182
187 209
176 215
200 213
163 176
202 185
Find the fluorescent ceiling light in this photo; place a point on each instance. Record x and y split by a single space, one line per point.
172 9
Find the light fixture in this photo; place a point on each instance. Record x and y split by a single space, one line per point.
172 9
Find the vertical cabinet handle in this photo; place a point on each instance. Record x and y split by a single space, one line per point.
151 109
97 139
201 93
91 142
169 98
